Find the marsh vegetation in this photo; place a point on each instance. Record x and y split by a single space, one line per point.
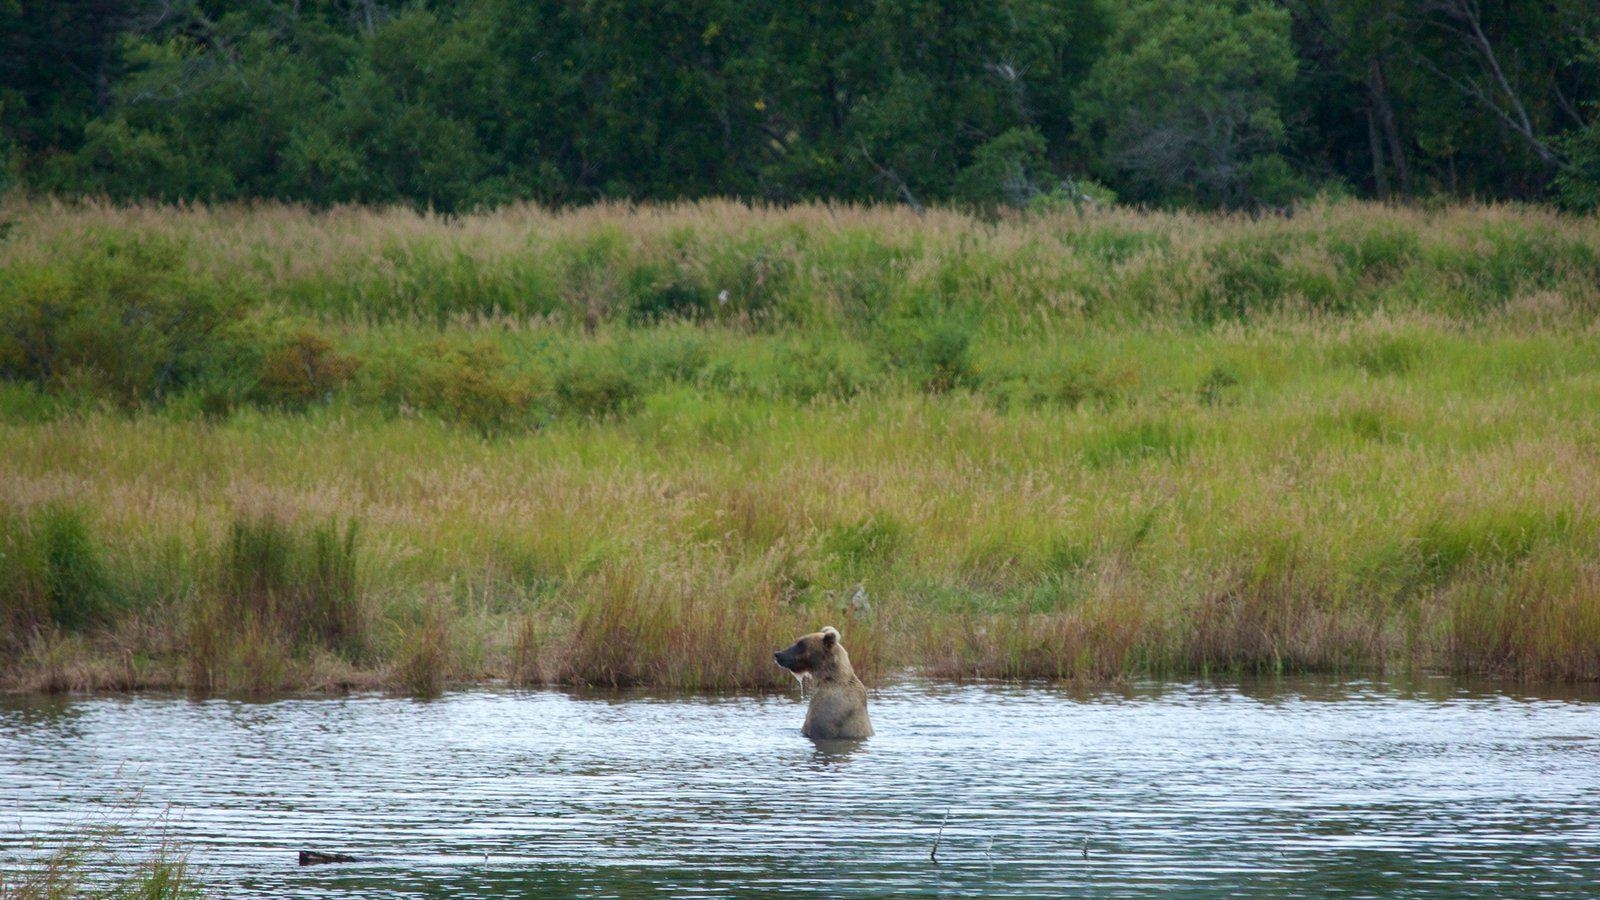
251 448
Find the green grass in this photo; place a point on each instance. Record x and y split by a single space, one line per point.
401 450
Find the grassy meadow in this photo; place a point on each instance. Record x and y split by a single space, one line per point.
258 448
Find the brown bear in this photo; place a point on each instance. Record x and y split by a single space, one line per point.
839 703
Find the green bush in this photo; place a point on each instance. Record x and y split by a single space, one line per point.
934 355
596 385
465 382
121 318
1215 389
1055 381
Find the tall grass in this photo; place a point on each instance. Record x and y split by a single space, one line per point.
51 571
280 591
1073 447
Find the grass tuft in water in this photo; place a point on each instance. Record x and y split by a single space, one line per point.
85 863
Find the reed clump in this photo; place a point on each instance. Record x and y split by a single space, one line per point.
632 626
1541 622
281 593
423 663
52 572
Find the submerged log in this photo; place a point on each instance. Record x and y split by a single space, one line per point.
314 858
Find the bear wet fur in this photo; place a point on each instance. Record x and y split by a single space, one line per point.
839 700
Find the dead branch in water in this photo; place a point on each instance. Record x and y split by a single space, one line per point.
934 853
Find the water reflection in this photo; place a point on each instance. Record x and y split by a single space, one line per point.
836 752
1274 786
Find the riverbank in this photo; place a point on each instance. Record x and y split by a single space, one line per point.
394 450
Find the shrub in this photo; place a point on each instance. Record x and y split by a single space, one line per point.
302 369
463 382
1065 382
1011 169
596 386
816 368
655 296
123 317
1214 389
935 355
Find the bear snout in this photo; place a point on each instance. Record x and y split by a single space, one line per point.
789 659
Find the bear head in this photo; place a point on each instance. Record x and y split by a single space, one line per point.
814 654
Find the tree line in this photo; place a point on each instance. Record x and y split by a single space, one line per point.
460 104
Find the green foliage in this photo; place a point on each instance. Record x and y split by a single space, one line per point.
935 355
470 322
462 381
458 104
1578 187
52 572
1076 194
1059 380
122 316
1185 105
1216 388
1011 169
454 105
596 385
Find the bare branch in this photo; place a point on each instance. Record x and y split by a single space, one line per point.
893 177
1468 24
1566 105
1518 127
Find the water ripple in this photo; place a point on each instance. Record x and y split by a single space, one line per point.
1310 788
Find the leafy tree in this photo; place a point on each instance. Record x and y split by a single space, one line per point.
1184 105
458 103
59 62
1010 170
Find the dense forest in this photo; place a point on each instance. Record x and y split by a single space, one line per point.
460 104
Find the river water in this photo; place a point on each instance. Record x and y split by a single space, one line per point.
1289 787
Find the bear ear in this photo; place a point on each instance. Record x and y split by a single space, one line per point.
830 635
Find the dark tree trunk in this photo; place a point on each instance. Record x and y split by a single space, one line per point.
1378 92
